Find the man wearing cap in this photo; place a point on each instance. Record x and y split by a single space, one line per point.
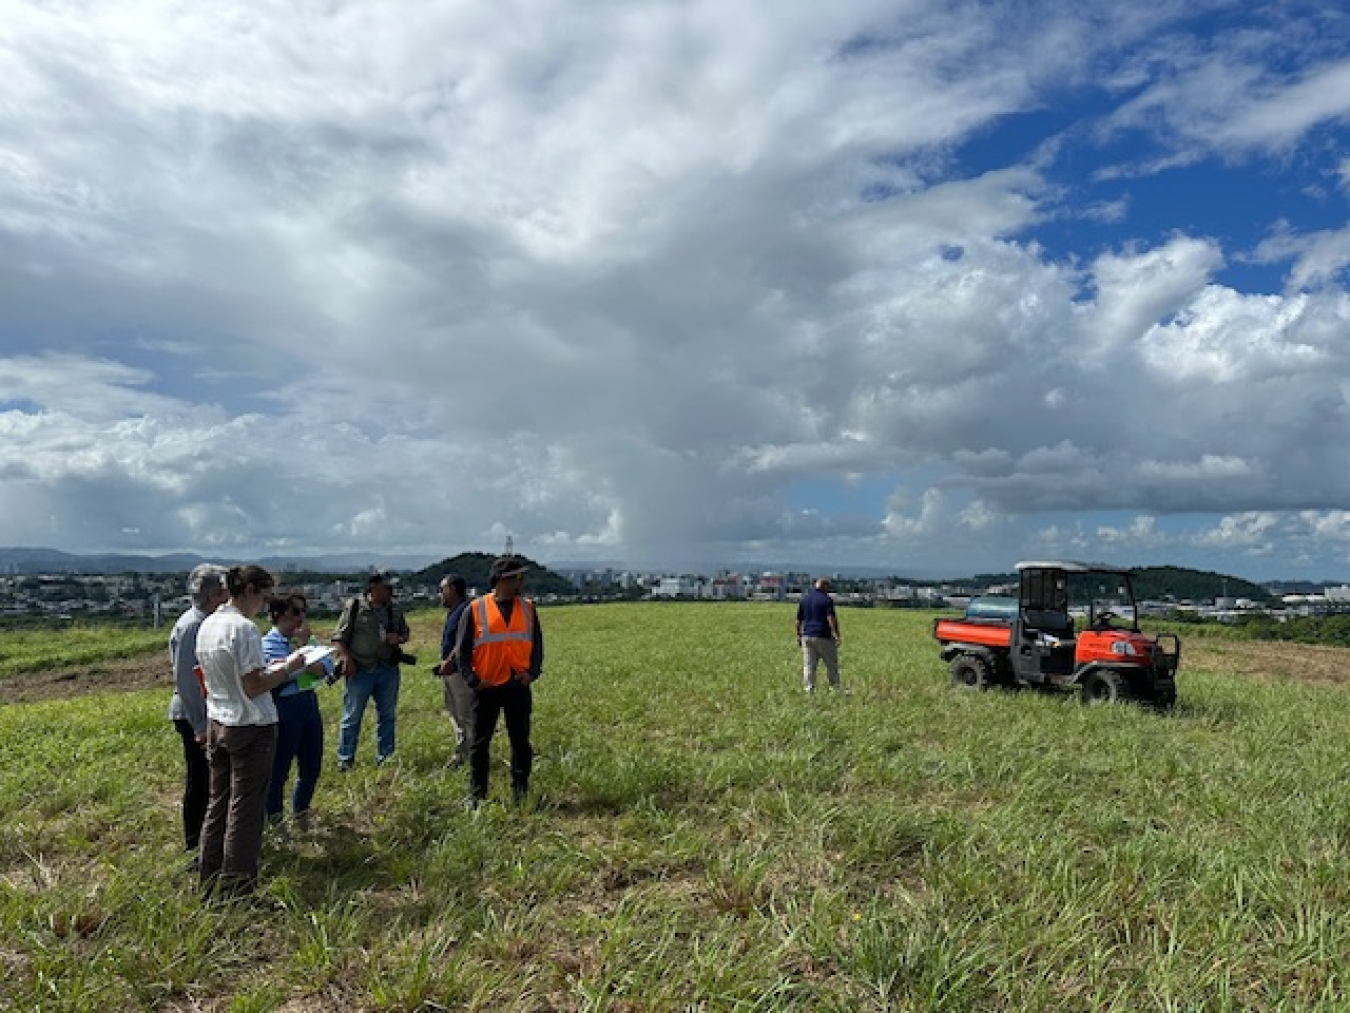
369 639
501 653
458 696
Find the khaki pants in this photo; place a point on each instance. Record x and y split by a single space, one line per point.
459 705
814 651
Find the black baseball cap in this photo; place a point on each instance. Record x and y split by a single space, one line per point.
507 566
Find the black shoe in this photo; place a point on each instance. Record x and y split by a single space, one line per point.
344 765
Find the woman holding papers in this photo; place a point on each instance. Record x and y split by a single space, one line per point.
241 735
300 723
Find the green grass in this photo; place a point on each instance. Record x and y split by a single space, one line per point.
62 645
706 837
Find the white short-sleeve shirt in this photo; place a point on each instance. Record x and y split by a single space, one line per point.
228 645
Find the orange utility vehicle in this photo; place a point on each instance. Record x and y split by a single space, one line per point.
1033 640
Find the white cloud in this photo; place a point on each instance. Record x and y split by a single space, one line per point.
1141 531
1319 258
1252 531
627 283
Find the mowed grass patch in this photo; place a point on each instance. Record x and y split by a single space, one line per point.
29 649
702 835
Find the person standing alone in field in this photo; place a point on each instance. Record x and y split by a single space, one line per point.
458 696
187 709
501 654
818 635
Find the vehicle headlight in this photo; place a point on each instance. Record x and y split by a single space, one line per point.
1124 647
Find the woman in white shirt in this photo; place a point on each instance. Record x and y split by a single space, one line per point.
241 732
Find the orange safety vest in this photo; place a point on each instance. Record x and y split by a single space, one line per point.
501 648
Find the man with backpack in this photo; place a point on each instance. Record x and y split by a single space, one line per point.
369 640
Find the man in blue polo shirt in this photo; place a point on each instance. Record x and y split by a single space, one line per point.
818 635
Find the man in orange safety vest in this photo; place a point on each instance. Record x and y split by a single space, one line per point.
500 649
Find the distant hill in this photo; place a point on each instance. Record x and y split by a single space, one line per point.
39 560
1160 583
475 567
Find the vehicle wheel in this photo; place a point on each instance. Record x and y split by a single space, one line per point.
970 672
1102 686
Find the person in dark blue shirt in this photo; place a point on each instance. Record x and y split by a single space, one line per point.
818 635
458 695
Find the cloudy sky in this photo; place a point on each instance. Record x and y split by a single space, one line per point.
926 286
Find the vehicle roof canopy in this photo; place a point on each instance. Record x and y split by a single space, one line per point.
1071 566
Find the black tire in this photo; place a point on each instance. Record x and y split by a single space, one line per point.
1165 699
970 672
1102 686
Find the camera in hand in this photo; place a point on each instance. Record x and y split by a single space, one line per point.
338 671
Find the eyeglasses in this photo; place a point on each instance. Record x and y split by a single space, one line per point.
298 610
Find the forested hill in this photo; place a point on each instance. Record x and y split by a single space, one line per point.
1167 583
1161 583
474 567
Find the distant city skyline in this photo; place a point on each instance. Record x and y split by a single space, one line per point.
358 562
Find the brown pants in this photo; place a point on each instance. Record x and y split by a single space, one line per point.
241 766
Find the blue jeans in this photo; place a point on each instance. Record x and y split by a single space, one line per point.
299 739
382 684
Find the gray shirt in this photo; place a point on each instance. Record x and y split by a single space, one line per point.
187 704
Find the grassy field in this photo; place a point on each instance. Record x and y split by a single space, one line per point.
706 837
35 649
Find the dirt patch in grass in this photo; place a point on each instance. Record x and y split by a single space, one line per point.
1269 660
117 675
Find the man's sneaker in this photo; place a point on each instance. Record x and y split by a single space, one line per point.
344 765
301 821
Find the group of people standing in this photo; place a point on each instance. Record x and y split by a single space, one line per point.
245 714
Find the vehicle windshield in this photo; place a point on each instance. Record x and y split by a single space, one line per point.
1093 594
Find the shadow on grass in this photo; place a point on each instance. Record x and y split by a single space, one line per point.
334 859
1227 714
